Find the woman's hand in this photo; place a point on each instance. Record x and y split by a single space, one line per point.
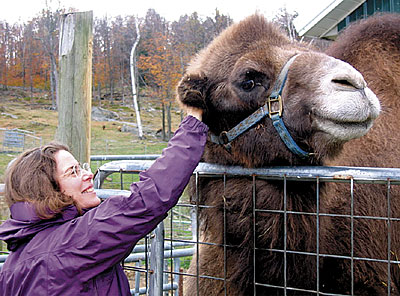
195 112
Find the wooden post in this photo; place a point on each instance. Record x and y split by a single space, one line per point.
74 110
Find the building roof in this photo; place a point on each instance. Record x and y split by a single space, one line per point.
324 25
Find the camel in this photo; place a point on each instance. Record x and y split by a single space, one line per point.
272 102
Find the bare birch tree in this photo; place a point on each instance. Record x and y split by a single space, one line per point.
133 80
285 19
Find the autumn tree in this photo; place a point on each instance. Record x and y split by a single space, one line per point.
9 47
48 34
153 64
104 62
18 68
5 36
190 32
161 70
122 33
34 58
214 26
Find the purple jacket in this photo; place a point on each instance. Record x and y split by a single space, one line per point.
80 255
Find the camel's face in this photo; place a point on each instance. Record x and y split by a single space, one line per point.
325 101
334 94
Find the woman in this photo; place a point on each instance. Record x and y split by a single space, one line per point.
62 240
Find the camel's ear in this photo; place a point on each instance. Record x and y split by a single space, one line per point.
192 91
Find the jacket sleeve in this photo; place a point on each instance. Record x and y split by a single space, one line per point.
104 235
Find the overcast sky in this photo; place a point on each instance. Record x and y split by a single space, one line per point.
22 10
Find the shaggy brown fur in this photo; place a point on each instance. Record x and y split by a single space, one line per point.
373 48
212 82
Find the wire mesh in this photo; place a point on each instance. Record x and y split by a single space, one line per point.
356 218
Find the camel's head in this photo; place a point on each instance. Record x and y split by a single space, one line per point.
326 102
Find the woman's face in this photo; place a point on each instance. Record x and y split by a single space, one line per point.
80 188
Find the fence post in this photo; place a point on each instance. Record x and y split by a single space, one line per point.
157 262
76 38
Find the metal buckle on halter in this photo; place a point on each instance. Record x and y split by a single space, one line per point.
272 101
223 138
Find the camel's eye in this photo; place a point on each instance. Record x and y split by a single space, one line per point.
248 85
251 79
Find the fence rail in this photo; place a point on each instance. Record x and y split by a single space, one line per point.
304 173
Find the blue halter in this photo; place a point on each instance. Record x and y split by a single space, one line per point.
273 108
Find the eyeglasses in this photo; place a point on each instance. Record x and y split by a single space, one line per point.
77 170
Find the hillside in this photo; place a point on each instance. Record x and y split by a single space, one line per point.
32 112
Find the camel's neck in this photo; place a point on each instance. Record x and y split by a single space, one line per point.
278 204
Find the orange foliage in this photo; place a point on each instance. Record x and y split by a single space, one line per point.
161 65
25 52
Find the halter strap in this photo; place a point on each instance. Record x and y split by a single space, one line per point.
274 112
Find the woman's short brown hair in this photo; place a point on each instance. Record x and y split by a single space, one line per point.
31 177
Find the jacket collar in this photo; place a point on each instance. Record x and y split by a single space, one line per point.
24 223
24 211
